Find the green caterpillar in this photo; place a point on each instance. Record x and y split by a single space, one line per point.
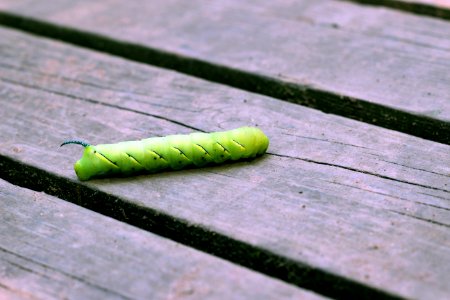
173 151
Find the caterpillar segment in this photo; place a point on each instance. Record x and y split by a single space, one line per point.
170 152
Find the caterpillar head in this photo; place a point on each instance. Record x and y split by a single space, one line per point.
92 163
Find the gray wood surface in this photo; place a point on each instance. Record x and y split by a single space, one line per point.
52 249
433 8
337 206
377 65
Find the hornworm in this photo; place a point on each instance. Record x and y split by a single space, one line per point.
173 151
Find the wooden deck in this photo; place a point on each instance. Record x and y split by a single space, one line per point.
352 199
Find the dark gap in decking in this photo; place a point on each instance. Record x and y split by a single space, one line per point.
90 100
417 8
179 230
328 102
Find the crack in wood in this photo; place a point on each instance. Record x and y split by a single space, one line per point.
325 140
413 168
99 86
324 100
422 219
434 196
390 195
240 252
28 270
191 127
97 102
77 278
359 171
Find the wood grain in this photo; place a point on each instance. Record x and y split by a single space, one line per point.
379 66
339 206
52 249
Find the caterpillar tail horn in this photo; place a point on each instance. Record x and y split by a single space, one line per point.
78 142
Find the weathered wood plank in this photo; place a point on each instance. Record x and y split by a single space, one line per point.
433 8
70 72
336 202
380 66
52 249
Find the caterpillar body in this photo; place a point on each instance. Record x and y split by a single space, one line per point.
173 151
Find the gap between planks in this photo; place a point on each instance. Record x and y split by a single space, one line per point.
201 130
52 249
419 7
92 192
303 94
182 231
